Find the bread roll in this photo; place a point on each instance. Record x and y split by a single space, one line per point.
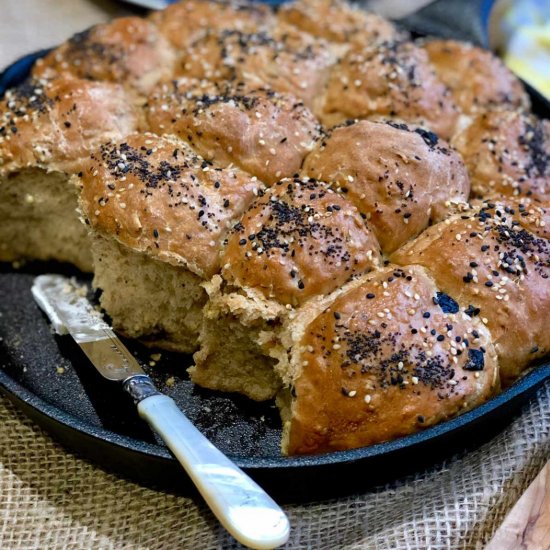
479 81
129 50
399 177
383 360
284 59
298 240
507 153
391 80
263 132
338 21
495 262
46 128
164 209
185 21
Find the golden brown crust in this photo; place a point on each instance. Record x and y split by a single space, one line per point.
156 195
128 50
392 80
386 359
399 177
185 21
495 262
55 123
507 153
338 21
478 79
284 59
263 132
298 240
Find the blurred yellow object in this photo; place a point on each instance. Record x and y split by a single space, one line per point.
525 38
528 55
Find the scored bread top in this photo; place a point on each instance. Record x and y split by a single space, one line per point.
507 153
283 59
57 123
399 177
494 260
477 78
385 359
338 21
129 50
392 79
156 195
184 22
298 240
261 131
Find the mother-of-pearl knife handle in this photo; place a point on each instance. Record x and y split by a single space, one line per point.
241 505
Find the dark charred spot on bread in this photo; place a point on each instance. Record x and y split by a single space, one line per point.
476 360
430 138
446 303
472 311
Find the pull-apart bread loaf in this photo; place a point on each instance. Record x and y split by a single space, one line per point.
321 210
158 212
47 128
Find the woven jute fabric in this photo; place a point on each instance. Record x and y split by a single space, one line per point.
50 498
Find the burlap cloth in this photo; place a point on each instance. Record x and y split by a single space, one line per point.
51 499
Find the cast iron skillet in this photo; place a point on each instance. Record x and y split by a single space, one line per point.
93 417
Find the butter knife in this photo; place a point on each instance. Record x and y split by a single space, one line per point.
241 505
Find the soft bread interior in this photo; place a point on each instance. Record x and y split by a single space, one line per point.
236 330
40 220
159 303
231 360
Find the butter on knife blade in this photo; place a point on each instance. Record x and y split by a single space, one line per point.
70 312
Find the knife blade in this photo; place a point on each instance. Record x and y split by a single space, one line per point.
70 312
241 506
